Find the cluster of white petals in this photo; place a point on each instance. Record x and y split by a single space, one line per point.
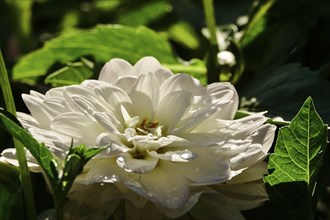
171 142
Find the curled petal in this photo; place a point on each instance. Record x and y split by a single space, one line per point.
145 65
181 82
9 155
35 105
137 165
115 69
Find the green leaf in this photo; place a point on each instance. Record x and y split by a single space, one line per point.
141 14
39 151
183 33
10 191
74 163
282 91
257 22
72 73
296 162
103 43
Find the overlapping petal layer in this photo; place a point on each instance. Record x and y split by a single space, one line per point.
168 138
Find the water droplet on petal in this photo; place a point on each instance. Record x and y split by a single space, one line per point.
187 155
108 179
255 133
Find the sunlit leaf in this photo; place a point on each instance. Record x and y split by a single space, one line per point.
103 43
183 33
144 13
72 73
296 162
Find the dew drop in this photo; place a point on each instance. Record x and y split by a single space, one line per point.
255 133
187 155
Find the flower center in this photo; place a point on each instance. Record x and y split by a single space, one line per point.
152 129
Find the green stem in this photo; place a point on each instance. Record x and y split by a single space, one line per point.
211 63
59 207
210 20
20 152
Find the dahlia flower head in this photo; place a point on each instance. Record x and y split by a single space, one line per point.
173 146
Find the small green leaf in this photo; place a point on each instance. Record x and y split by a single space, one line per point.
257 22
296 162
39 151
72 73
74 163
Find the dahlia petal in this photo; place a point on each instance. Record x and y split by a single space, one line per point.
143 143
215 206
172 108
91 83
245 195
108 121
162 75
166 186
241 127
136 165
92 201
217 89
174 156
253 173
78 126
54 107
145 65
199 170
265 135
126 83
114 69
9 156
181 82
147 87
35 105
115 97
27 120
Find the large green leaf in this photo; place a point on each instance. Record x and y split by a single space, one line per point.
72 73
282 90
103 43
296 163
141 14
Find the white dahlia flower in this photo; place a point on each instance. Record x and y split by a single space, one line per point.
173 146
